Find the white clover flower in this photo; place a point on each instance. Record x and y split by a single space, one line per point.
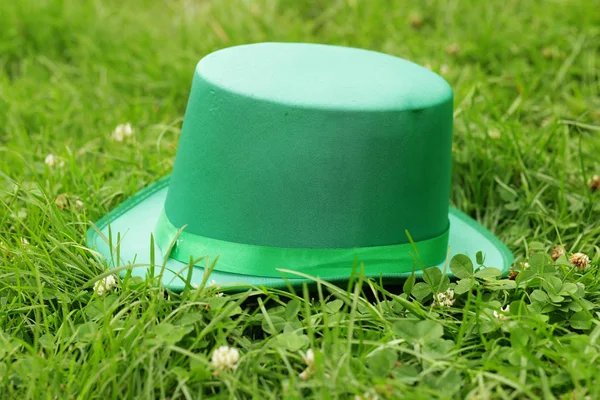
580 260
309 360
557 252
52 161
224 358
502 315
445 299
104 285
304 375
594 183
444 69
122 132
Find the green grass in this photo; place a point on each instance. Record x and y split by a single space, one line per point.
527 126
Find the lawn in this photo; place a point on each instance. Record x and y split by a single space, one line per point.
526 147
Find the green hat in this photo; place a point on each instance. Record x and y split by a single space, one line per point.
306 158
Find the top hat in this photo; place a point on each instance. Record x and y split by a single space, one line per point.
304 158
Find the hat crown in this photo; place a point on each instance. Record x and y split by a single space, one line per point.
323 77
313 146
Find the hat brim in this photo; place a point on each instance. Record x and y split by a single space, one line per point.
129 227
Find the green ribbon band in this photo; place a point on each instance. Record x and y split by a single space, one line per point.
263 261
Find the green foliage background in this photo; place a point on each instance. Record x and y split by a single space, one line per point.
527 120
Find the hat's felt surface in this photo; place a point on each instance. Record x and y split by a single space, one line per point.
309 158
136 219
313 146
